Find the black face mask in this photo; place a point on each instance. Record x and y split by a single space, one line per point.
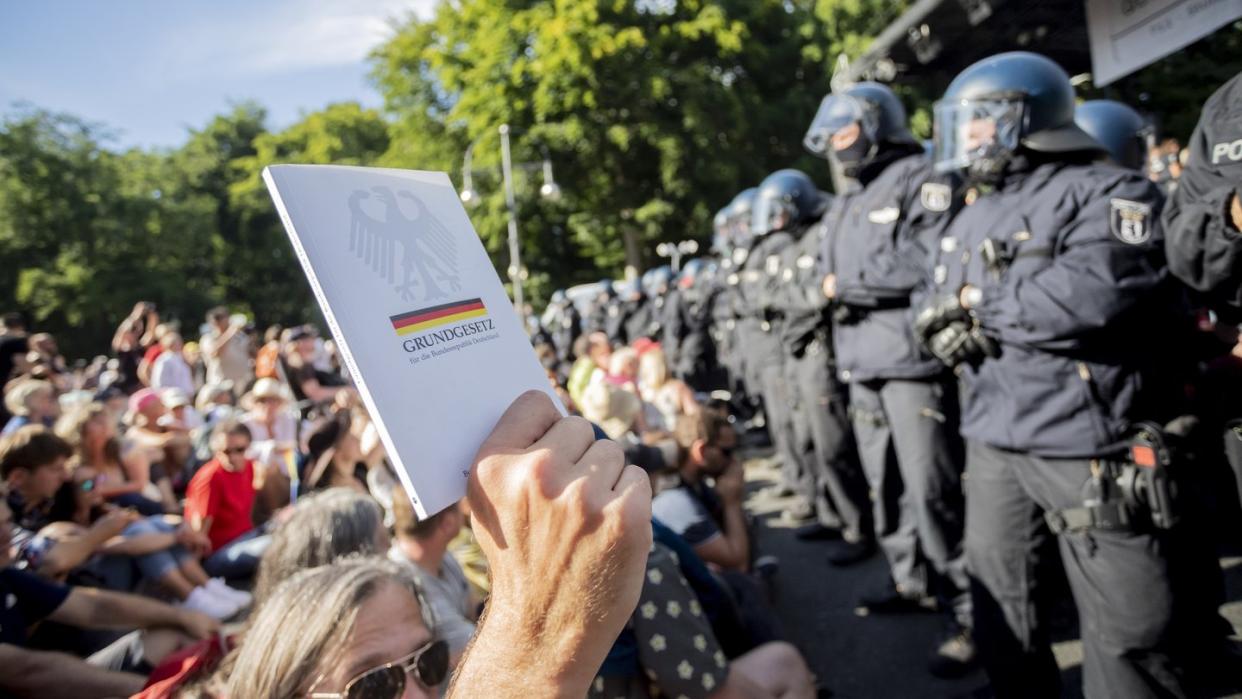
990 170
855 156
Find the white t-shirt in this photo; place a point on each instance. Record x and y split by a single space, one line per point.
232 364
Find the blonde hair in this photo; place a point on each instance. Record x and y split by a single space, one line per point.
18 399
304 625
652 372
71 427
620 359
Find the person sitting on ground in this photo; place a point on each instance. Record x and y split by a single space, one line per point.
423 544
267 359
219 502
180 414
91 431
594 353
334 457
274 430
162 450
361 633
307 382
30 402
622 369
665 399
116 670
679 655
710 518
171 370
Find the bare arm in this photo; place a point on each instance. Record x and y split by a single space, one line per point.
69 553
31 673
93 608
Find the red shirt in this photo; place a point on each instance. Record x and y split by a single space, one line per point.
225 496
153 353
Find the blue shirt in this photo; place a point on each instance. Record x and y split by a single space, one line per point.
25 600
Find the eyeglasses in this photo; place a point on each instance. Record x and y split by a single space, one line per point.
428 665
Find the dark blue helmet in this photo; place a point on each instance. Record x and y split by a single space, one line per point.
739 217
873 107
689 272
656 280
1120 129
1002 104
786 199
558 297
721 245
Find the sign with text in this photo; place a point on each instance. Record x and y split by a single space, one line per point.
418 312
1129 34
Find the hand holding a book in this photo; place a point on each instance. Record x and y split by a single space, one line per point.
565 525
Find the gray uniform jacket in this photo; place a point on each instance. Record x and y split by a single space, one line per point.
1204 249
880 240
1072 290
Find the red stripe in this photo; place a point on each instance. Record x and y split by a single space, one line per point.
437 314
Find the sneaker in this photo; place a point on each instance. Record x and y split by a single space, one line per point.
200 600
890 601
954 655
218 588
847 553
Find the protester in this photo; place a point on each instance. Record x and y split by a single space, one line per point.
170 370
665 399
423 544
594 354
219 501
91 432
226 350
30 402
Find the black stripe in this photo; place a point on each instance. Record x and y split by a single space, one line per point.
433 309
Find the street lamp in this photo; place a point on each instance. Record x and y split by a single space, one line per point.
676 250
470 197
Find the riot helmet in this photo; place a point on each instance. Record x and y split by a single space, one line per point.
786 198
1123 131
852 126
720 232
558 297
1001 104
656 280
739 218
689 271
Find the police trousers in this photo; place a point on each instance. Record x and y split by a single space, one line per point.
912 457
1119 580
837 486
777 409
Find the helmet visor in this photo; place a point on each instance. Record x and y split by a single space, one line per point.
967 131
835 113
771 214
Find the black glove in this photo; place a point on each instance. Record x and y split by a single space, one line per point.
962 342
936 316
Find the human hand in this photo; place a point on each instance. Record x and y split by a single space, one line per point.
830 286
114 522
196 624
731 484
193 540
565 525
1235 212
936 315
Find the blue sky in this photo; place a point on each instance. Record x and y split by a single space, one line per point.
151 70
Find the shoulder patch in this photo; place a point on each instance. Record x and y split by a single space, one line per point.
740 255
1130 221
935 196
886 215
805 262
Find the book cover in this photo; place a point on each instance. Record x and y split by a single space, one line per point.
422 321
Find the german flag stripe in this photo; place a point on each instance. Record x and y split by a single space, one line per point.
459 305
441 320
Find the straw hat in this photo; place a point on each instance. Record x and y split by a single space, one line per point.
265 387
613 409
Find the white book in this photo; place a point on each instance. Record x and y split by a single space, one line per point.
421 319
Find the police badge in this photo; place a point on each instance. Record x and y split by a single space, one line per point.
935 196
1128 221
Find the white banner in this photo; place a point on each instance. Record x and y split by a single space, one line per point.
1129 34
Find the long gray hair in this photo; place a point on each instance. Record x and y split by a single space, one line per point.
324 527
306 623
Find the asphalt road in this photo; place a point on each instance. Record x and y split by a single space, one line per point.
881 656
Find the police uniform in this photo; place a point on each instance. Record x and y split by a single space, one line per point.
760 335
834 484
902 400
1203 246
1070 263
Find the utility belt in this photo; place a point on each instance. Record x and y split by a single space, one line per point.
1135 489
848 314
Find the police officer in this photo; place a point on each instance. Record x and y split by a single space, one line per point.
902 400
597 314
1124 133
1203 220
1047 300
687 339
760 331
730 312
565 326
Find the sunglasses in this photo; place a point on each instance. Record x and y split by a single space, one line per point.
727 451
87 485
428 665
235 450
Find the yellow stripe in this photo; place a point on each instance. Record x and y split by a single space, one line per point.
418 327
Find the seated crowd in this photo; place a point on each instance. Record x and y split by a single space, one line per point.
170 513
